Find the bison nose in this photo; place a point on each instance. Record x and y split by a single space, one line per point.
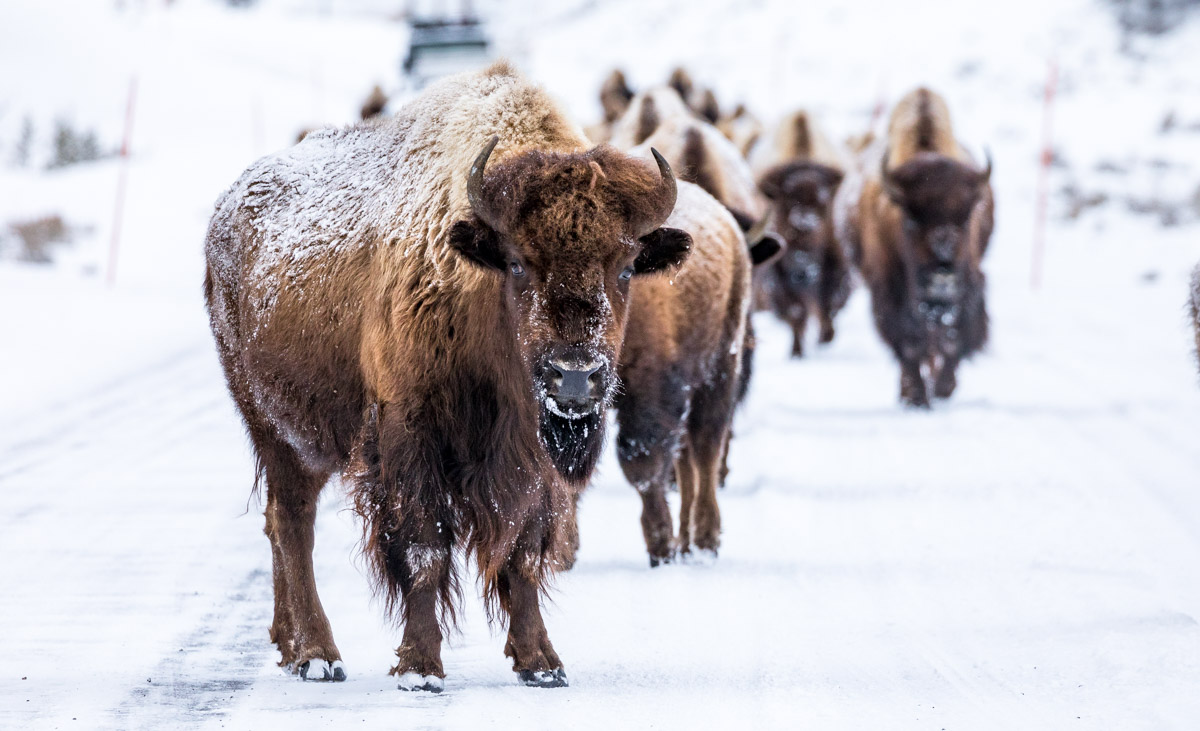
575 383
804 221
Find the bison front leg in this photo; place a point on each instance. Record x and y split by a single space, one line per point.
826 320
912 384
300 629
708 432
650 422
419 556
798 319
947 380
534 660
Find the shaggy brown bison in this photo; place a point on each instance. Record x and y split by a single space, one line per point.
919 227
689 342
799 173
615 96
438 317
680 376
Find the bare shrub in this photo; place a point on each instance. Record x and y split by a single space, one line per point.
38 235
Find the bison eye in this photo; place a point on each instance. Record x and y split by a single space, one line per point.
626 274
516 269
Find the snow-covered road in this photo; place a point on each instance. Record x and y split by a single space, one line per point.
1025 556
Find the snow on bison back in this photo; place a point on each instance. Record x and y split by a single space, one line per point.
433 305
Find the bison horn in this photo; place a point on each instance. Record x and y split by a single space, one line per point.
986 174
889 185
475 184
666 195
758 229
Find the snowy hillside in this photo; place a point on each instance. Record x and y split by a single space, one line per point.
1025 556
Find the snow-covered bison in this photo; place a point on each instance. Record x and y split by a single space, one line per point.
689 342
433 305
918 229
681 370
799 172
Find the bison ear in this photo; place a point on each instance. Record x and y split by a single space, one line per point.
765 249
663 248
743 220
478 242
771 185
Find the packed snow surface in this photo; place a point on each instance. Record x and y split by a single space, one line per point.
1024 556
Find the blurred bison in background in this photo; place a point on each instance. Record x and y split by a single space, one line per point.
702 102
441 326
698 152
800 172
918 228
615 96
374 104
741 128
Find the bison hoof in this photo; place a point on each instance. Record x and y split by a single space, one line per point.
702 557
556 678
322 670
657 560
416 681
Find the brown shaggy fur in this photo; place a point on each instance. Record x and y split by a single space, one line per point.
919 230
372 322
801 179
680 374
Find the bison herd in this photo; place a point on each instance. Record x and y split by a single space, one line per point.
444 305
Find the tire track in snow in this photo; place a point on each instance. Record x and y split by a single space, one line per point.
215 661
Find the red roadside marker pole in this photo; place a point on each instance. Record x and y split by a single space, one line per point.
1047 158
122 178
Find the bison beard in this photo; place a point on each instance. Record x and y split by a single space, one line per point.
573 444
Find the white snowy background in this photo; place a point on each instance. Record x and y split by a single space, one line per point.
1025 556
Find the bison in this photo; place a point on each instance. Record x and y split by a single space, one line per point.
433 306
375 103
702 102
689 343
918 227
700 154
800 172
615 96
681 377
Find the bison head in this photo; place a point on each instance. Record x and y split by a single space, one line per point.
567 233
801 196
937 195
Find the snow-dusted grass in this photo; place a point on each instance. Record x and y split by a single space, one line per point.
1022 557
